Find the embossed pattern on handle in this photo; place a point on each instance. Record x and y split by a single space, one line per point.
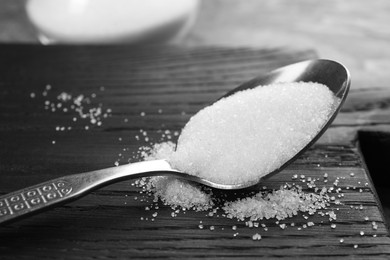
27 201
34 198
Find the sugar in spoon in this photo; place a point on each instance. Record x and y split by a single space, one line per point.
34 199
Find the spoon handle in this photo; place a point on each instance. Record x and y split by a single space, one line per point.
36 198
58 191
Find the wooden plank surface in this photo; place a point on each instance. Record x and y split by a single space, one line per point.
168 85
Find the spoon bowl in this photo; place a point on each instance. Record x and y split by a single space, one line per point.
52 193
327 72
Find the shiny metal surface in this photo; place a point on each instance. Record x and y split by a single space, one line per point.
42 196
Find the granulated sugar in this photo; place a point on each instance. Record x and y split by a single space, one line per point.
280 204
171 191
176 193
253 132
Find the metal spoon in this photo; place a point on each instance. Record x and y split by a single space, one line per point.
68 188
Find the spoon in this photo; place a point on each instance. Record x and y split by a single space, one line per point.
45 195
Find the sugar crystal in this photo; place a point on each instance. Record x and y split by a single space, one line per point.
256 236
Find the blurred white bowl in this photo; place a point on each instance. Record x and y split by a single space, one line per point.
111 21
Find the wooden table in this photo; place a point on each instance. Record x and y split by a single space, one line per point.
154 90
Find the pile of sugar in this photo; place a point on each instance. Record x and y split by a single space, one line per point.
171 191
280 204
177 193
243 137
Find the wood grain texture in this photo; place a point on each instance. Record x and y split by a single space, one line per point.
179 81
